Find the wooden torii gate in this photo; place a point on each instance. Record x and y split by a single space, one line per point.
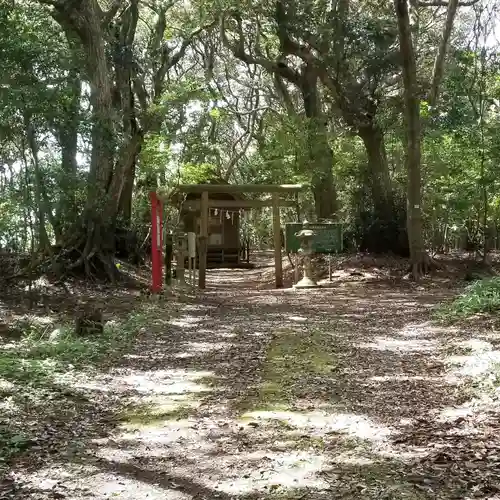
204 204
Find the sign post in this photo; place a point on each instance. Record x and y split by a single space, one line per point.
156 243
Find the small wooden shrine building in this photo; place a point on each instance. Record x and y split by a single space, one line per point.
224 222
213 211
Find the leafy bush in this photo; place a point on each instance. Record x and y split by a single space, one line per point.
35 358
35 367
482 296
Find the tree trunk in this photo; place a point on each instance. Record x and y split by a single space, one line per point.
320 152
125 207
123 62
385 230
438 71
418 255
381 185
124 174
83 21
40 201
67 135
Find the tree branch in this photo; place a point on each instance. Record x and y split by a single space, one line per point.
168 62
438 71
53 3
280 87
238 50
440 3
111 12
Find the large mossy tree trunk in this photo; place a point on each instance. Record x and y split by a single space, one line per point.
113 148
320 153
386 231
306 79
66 131
419 258
103 43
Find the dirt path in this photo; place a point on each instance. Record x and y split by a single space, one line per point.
345 392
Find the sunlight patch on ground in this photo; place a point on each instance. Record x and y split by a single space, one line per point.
197 307
323 423
403 378
92 483
451 414
476 345
259 334
123 488
136 356
184 433
298 319
222 332
194 348
397 345
492 335
8 406
407 454
347 318
6 386
277 472
207 462
186 322
352 458
167 381
479 362
400 304
205 451
421 329
151 382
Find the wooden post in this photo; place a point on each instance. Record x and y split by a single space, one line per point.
168 259
203 243
156 243
296 270
277 241
181 255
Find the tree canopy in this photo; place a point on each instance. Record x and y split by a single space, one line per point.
388 110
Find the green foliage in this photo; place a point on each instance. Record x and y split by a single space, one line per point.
11 443
36 367
198 174
204 117
482 296
37 358
155 155
11 217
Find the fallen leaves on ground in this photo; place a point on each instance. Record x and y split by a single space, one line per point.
246 393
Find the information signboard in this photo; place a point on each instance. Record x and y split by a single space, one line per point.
327 239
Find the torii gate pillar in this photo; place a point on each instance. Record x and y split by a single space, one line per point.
156 243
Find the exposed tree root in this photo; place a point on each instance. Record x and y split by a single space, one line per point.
425 265
76 259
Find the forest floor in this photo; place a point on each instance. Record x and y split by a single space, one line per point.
350 391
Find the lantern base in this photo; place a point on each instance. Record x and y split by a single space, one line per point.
306 282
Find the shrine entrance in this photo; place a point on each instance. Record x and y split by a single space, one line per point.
212 213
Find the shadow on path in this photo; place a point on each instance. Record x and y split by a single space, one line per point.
335 393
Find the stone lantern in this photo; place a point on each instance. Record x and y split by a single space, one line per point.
305 237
